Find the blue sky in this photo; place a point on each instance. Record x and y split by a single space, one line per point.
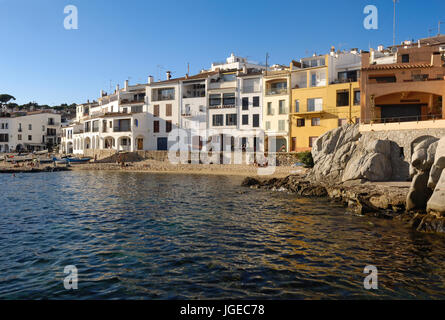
118 40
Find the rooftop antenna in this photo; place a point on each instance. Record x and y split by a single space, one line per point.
188 68
430 30
267 61
394 24
438 27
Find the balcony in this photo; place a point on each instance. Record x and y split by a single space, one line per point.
165 98
277 91
223 106
78 131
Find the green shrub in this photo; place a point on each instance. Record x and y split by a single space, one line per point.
306 159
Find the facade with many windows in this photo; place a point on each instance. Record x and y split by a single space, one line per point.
325 95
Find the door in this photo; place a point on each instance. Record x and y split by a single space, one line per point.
162 143
140 143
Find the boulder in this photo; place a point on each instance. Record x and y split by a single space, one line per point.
436 203
438 164
419 193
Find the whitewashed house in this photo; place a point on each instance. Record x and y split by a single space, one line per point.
30 131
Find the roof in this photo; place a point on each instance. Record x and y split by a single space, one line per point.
398 66
202 75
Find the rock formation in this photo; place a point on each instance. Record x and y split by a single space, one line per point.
343 154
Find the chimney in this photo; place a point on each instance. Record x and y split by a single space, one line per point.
101 93
380 48
126 85
168 74
332 53
150 80
245 69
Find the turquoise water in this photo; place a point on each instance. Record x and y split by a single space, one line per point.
161 236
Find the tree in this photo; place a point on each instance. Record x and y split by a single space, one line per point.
5 98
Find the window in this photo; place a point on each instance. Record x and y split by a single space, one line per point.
348 76
297 106
136 123
19 137
356 97
156 126
267 125
229 99
168 126
256 101
405 58
30 126
342 122
29 138
125 110
245 103
4 137
215 100
245 119
256 120
300 122
231 119
156 110
314 104
383 79
312 141
315 122
282 107
20 127
281 125
43 128
269 109
164 94
342 98
218 120
168 110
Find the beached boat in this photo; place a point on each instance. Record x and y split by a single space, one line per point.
78 160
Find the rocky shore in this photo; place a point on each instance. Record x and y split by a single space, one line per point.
367 176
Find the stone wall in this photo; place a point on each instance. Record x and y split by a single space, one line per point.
283 158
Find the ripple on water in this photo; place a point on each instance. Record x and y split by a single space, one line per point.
160 236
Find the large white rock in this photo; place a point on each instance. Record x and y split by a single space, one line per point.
436 203
438 165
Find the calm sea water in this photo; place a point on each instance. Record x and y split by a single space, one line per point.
161 236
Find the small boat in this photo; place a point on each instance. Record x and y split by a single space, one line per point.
78 160
61 161
46 160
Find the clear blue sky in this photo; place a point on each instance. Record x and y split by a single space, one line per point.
41 61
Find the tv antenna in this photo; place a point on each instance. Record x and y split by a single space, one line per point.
438 27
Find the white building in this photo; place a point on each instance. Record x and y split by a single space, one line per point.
30 131
115 122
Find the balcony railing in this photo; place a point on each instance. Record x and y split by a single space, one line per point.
405 119
164 98
270 92
222 106
119 129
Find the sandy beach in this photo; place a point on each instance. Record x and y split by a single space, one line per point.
208 169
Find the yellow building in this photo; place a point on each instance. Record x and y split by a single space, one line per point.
325 95
276 107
